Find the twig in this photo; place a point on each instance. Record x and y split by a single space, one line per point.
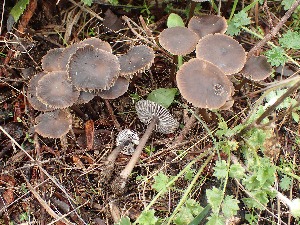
112 115
86 10
27 16
275 30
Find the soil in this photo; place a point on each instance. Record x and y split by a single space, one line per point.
64 176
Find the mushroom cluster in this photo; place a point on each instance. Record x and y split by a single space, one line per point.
74 75
204 81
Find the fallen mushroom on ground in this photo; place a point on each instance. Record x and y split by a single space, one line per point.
157 118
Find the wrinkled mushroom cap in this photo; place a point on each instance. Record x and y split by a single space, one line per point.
223 51
50 61
257 68
203 84
147 110
138 59
209 24
119 88
97 43
178 40
31 94
93 69
55 90
129 138
53 124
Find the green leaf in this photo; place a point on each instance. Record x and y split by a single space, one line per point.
194 206
189 175
124 221
163 96
240 19
287 4
174 20
291 39
184 216
215 220
285 183
160 182
201 216
220 169
87 2
18 9
276 56
236 171
147 218
214 198
295 117
230 206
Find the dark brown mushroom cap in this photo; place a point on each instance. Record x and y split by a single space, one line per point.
178 40
119 88
31 94
203 84
66 54
138 59
209 24
53 124
93 69
84 97
97 43
223 51
50 61
147 110
55 90
257 68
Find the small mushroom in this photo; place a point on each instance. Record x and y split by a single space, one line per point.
53 124
119 88
92 69
138 59
97 43
223 51
50 61
208 24
84 97
125 142
66 54
257 68
178 40
32 97
56 91
157 118
203 84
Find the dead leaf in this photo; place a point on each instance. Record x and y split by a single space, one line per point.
89 133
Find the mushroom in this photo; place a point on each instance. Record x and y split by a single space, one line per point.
97 43
56 91
257 68
157 118
125 142
178 40
54 124
50 61
208 24
84 97
66 54
119 88
92 69
203 84
223 51
32 97
138 59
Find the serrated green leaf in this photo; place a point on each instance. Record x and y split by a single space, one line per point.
193 206
215 220
160 182
87 2
287 4
184 216
174 20
220 169
214 198
230 206
291 39
18 9
234 26
285 183
276 56
124 221
163 96
236 171
148 218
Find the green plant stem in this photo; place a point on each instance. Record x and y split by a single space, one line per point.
270 43
188 190
288 173
182 172
233 10
180 61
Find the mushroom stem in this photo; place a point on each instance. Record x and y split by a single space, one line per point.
136 155
114 154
